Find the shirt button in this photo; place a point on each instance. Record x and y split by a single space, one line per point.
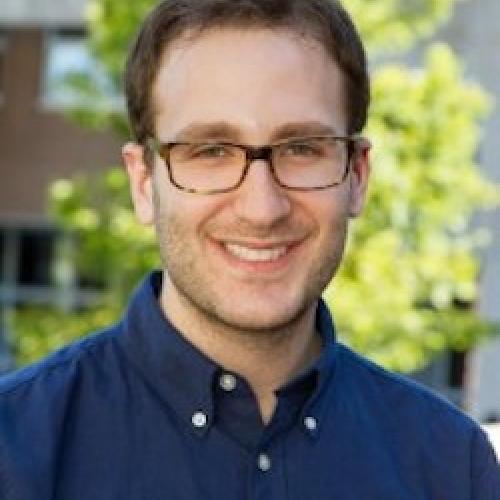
264 462
227 382
199 419
310 423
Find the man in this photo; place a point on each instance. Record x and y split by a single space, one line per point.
224 379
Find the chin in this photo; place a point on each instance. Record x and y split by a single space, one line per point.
264 318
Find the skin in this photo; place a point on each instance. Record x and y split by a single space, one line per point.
251 86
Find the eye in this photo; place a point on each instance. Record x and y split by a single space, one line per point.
301 148
210 151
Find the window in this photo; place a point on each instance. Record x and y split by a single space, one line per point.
30 268
36 251
457 369
26 259
72 76
29 258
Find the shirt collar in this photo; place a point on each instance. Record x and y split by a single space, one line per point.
184 377
320 373
179 374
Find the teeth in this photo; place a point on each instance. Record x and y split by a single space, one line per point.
254 254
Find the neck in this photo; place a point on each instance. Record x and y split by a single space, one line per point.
266 359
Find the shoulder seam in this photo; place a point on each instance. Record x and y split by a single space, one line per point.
381 372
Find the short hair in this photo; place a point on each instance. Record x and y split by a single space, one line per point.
326 21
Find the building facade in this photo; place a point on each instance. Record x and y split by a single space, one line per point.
40 42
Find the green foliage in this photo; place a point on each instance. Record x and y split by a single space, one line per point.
394 25
114 250
113 25
410 275
409 280
45 331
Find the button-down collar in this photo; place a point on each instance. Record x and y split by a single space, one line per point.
185 378
179 373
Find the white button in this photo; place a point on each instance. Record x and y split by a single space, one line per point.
227 381
264 462
199 419
310 423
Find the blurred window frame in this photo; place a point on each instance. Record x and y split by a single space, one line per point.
18 286
66 52
52 279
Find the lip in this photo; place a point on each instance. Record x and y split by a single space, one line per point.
260 267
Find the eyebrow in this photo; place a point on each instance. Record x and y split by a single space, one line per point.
302 129
224 131
208 131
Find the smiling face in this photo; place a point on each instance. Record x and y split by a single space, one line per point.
259 257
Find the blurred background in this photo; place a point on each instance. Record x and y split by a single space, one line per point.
419 291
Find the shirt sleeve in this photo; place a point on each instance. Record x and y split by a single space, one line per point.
485 469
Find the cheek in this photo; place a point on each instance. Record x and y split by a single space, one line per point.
333 223
328 208
166 221
180 218
331 217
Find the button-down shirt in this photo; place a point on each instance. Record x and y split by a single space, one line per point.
136 412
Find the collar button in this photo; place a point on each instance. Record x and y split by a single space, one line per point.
199 419
227 382
310 423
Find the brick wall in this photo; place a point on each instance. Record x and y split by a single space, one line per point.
38 144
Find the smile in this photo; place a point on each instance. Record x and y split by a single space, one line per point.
255 254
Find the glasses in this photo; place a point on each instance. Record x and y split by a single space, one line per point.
301 164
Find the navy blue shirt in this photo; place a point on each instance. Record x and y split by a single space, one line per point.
137 413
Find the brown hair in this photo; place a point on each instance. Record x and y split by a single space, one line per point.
324 20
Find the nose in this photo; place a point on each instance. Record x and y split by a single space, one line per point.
260 201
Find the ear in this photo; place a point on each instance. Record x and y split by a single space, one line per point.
360 173
141 182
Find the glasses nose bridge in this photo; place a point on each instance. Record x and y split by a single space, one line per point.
258 153
264 153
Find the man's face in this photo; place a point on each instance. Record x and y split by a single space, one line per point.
258 257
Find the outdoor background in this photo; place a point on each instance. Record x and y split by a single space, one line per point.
419 290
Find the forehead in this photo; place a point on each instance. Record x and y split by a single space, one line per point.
254 79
